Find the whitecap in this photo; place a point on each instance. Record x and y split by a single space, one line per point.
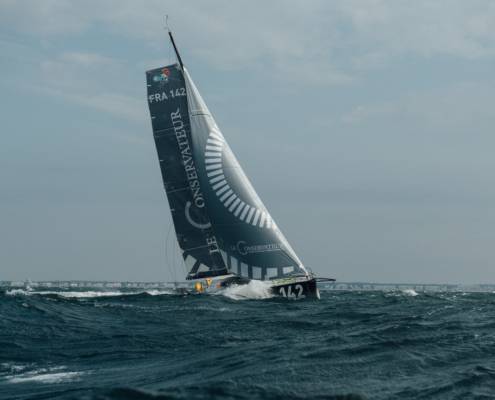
86 294
155 292
44 378
409 292
15 368
17 292
44 375
253 290
21 292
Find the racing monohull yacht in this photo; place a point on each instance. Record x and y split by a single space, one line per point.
225 233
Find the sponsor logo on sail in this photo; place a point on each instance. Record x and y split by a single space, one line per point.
192 178
163 76
244 249
193 181
187 159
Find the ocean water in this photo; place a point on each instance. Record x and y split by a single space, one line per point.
89 344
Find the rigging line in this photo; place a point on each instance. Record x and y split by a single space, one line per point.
181 256
166 27
174 258
166 252
167 263
175 49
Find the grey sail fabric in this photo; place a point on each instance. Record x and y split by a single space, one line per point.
251 243
167 100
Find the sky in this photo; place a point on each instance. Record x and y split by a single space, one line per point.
366 127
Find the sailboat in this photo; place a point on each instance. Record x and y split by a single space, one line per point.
224 232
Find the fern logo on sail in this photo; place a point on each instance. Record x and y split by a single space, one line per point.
255 215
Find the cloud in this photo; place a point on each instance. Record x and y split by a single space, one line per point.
123 106
464 106
317 43
92 80
412 138
424 28
335 41
44 18
86 78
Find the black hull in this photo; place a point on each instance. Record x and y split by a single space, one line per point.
293 288
297 290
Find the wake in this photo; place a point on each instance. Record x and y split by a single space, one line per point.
86 294
254 290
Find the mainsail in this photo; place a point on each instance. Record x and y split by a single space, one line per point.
221 224
172 132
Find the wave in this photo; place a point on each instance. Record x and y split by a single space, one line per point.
254 290
201 347
409 292
400 293
86 294
42 375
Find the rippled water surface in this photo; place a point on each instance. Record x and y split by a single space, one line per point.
157 345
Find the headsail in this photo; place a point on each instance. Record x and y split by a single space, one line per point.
251 242
221 223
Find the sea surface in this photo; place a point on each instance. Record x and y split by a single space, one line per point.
123 344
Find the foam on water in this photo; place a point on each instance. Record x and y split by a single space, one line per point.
201 347
84 294
17 292
156 292
253 290
42 375
410 292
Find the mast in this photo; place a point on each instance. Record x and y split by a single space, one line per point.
175 49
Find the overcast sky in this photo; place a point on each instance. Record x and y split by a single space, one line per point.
367 128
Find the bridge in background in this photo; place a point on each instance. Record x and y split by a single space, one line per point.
338 286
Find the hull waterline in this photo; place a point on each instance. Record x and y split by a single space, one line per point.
290 288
